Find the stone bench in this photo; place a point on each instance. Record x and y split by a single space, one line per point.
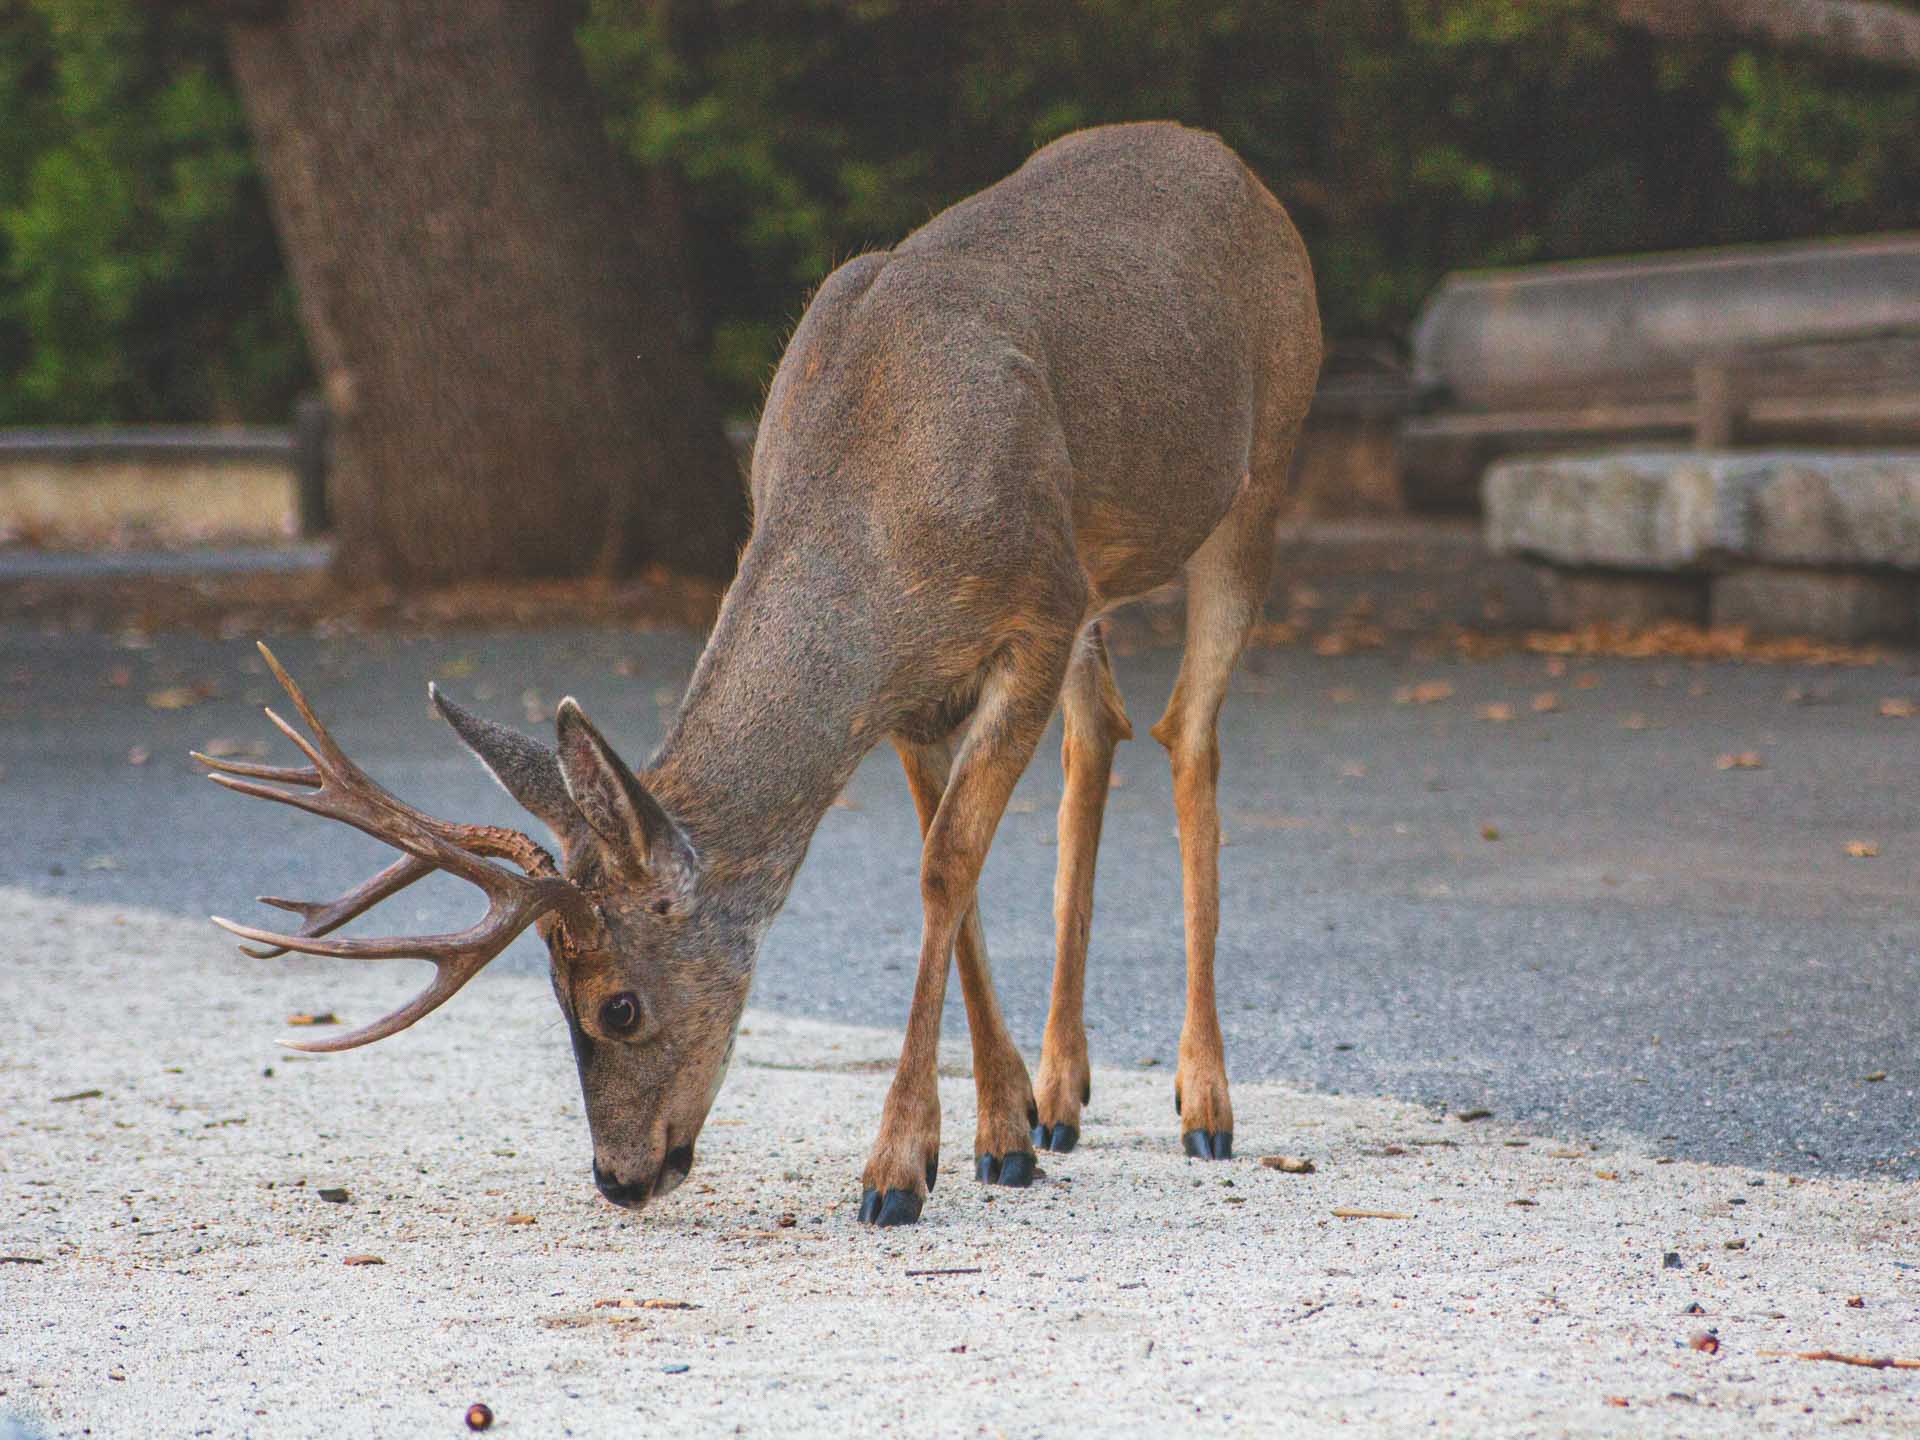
1819 543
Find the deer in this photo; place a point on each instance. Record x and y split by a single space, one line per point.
1079 385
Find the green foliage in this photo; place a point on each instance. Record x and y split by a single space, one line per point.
138 273
138 276
1407 137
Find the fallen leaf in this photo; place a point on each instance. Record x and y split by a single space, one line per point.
174 697
1856 1302
1863 849
1734 1245
1343 695
1635 721
322 1017
1523 1201
335 1194
1874 1077
1288 1164
522 1219
1489 832
1346 1214
139 755
1546 702
78 1095
1744 760
1606 1174
1617 1400
222 746
1427 692
363 1260
1899 709
1469 1115
1497 713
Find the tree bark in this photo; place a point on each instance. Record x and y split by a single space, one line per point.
1864 30
502 340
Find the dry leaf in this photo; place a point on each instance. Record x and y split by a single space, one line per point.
1427 692
1497 713
1863 849
139 755
1745 760
1899 709
1635 721
1345 1214
224 746
522 1219
1489 832
1343 695
319 1017
363 1260
629 1302
174 697
1546 702
1288 1164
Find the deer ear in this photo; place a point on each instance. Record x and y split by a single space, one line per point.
628 820
526 769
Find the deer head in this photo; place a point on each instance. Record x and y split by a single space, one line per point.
650 983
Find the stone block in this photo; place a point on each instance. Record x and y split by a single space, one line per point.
1589 597
1824 604
1709 510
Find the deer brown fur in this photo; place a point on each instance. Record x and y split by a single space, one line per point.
1078 385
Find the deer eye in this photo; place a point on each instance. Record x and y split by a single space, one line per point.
620 1014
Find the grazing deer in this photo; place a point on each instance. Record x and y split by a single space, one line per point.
1078 385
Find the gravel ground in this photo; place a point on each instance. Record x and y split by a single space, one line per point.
162 1163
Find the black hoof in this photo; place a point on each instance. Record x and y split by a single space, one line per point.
892 1207
1202 1145
1058 1138
1016 1169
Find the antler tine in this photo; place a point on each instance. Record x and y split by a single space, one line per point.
323 917
333 786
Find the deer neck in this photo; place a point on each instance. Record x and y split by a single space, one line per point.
773 724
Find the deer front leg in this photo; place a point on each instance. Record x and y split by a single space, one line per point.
1013 711
1003 1092
1094 721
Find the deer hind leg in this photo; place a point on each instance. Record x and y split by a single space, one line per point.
1095 721
1003 1092
1014 708
1226 587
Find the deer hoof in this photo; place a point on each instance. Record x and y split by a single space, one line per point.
890 1207
1015 1169
1058 1138
1205 1145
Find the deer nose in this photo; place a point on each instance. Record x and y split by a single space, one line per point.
630 1197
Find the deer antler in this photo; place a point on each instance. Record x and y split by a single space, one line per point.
335 787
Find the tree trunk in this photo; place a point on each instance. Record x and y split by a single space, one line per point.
502 340
1866 30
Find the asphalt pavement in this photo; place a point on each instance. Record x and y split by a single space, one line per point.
1647 908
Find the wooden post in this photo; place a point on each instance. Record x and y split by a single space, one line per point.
310 424
1716 404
